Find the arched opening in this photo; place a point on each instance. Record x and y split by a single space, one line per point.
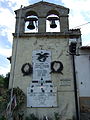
31 22
53 21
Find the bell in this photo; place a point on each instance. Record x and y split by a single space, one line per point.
53 24
52 21
31 25
31 21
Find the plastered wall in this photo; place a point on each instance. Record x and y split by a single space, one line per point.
64 82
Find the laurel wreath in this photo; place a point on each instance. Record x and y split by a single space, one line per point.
59 70
28 71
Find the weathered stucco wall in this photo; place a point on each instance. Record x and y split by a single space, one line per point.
64 82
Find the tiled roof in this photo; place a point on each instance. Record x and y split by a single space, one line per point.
85 47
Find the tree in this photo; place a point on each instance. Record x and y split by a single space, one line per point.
4 81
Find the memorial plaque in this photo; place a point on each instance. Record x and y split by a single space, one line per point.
41 92
41 65
42 97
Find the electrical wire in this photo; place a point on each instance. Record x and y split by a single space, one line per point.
81 25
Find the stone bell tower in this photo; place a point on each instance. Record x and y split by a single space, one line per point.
41 64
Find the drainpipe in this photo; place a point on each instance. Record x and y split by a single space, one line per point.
75 89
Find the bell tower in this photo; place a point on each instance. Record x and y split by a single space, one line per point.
41 64
41 16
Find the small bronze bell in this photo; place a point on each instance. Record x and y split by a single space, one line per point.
53 24
31 25
52 21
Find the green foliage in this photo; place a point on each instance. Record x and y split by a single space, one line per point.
2 118
1 80
57 116
3 104
31 117
4 81
5 98
20 96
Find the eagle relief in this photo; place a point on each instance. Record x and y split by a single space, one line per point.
42 56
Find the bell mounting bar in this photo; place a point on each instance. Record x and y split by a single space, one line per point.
52 18
31 19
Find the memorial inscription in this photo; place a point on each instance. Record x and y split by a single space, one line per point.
41 92
42 99
41 65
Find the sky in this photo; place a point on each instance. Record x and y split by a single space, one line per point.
79 17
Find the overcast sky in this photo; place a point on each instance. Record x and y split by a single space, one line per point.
79 14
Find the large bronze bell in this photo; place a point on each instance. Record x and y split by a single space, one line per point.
52 21
31 21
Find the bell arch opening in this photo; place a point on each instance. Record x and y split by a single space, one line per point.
31 22
53 21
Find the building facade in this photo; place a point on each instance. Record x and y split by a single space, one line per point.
41 64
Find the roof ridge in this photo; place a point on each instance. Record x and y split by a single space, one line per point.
46 3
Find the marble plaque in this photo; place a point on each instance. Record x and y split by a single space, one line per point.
42 96
41 65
